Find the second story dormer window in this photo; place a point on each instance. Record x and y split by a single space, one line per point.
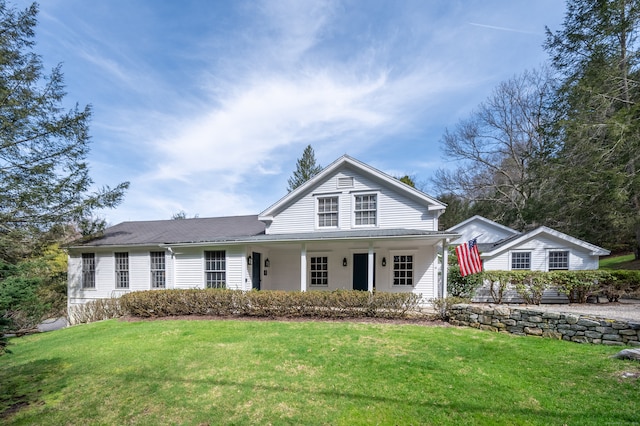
365 209
328 212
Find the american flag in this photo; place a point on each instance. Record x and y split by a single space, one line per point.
469 258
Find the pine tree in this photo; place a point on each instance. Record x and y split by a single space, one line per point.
44 177
306 168
597 55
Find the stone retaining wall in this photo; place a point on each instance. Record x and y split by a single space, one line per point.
566 326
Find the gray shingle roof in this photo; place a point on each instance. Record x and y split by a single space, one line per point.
483 247
198 230
230 229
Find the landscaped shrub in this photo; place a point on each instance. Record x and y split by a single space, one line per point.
621 283
579 285
457 285
499 282
442 305
313 304
530 285
95 310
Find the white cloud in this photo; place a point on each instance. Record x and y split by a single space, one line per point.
234 108
269 115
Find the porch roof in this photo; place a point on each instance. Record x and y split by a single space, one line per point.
234 230
357 234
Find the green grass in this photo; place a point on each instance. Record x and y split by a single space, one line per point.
338 373
626 261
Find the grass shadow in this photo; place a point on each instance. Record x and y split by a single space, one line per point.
26 384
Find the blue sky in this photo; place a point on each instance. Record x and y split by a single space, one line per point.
205 106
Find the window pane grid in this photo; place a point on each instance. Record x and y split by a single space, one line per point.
122 270
319 267
158 275
521 260
558 260
403 270
215 269
88 270
328 212
365 211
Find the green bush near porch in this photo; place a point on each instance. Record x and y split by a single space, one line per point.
292 304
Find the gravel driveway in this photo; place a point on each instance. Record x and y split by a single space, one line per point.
626 309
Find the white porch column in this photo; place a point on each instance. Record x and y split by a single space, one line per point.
370 265
445 266
303 268
172 272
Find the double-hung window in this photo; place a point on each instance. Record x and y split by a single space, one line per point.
403 270
88 270
158 266
215 269
521 260
122 270
327 212
319 271
558 260
365 209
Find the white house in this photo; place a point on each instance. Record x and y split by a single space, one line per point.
349 227
542 249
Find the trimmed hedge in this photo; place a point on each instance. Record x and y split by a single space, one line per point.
311 304
95 310
576 285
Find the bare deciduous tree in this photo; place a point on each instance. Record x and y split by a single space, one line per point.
499 147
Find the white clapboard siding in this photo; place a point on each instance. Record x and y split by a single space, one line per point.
139 270
74 278
425 272
483 231
235 263
189 265
399 212
540 247
394 210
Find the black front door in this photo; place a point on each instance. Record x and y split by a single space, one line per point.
361 271
256 270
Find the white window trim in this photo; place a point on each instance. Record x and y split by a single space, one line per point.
151 270
316 218
520 251
115 270
318 254
205 270
95 272
390 267
355 194
548 258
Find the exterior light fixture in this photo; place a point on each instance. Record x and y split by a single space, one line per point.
267 263
344 262
249 260
384 261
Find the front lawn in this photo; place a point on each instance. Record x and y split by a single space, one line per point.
270 372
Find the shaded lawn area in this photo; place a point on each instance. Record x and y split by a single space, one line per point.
626 261
269 372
